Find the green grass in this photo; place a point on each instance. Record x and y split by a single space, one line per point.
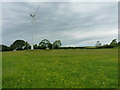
78 68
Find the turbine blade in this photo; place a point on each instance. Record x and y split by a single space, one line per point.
28 10
37 10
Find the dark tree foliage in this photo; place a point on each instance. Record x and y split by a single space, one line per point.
119 44
27 46
56 44
20 45
41 47
114 43
105 46
35 46
50 46
45 44
4 48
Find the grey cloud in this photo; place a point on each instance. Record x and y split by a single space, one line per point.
53 19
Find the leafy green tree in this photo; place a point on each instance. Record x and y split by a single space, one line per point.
114 43
0 47
50 46
27 45
107 46
35 46
4 48
44 44
118 43
56 44
18 45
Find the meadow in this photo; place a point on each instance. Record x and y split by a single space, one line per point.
70 68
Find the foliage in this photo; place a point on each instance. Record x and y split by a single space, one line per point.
35 46
4 48
27 45
104 46
56 44
119 44
45 44
18 45
114 43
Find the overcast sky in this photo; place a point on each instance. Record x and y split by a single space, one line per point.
74 23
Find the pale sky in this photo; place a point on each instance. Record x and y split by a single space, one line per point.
74 23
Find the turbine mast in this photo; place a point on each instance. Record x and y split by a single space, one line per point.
33 24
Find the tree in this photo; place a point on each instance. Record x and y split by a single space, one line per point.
4 48
18 45
35 46
27 45
49 45
118 43
107 46
0 47
44 44
98 44
114 43
56 44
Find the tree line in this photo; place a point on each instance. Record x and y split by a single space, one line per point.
98 45
112 44
22 45
45 44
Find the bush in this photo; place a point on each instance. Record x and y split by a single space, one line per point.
4 48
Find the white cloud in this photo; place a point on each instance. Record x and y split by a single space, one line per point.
61 21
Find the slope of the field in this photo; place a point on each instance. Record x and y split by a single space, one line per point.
78 68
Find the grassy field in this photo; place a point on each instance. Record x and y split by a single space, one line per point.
78 68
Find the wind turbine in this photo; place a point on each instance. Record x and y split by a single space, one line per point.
33 23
